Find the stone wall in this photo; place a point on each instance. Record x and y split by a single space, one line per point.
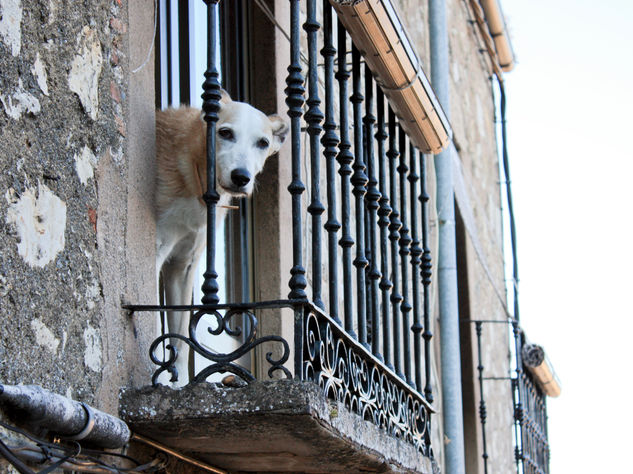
76 222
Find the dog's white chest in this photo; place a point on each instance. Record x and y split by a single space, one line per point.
186 213
185 220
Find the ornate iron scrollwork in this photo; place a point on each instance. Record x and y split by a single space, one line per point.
221 362
348 373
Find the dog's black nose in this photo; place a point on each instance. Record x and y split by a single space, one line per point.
240 177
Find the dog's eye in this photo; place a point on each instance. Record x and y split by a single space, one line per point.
226 133
262 143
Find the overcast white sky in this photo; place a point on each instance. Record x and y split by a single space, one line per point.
570 100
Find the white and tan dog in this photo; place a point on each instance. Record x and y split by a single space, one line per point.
245 137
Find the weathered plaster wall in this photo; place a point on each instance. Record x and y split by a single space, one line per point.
76 222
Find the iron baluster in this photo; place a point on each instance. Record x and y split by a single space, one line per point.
345 159
404 242
532 448
330 140
372 198
518 407
482 402
517 442
426 274
383 222
294 100
415 251
314 117
394 235
359 180
211 105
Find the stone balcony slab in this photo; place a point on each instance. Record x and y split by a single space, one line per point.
273 426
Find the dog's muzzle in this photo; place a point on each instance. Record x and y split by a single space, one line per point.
240 177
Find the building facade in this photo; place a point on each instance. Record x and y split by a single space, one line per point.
328 270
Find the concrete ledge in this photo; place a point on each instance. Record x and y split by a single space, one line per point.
281 426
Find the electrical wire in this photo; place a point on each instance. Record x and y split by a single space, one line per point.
151 46
271 16
68 457
506 170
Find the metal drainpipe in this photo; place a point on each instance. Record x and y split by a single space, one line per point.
447 258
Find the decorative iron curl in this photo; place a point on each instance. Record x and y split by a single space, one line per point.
348 373
222 362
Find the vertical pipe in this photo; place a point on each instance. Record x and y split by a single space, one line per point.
426 274
359 180
394 236
416 252
294 100
383 222
482 401
329 141
211 105
314 117
404 241
345 159
447 258
372 198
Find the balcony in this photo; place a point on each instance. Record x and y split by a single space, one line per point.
351 389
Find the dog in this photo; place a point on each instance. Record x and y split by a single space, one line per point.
245 137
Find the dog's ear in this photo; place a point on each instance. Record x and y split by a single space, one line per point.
280 130
226 98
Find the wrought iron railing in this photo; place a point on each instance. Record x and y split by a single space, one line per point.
531 445
530 415
369 345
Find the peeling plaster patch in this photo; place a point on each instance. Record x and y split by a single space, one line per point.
456 75
117 156
92 354
40 221
84 165
5 286
44 336
83 78
39 71
10 19
52 11
92 292
64 340
19 102
480 118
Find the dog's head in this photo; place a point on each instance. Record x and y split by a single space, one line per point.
245 137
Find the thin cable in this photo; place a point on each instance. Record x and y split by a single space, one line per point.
404 87
14 460
264 8
506 170
70 456
151 46
271 16
176 454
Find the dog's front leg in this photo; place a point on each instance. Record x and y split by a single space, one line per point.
178 275
174 277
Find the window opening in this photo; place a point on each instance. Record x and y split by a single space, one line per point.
181 45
